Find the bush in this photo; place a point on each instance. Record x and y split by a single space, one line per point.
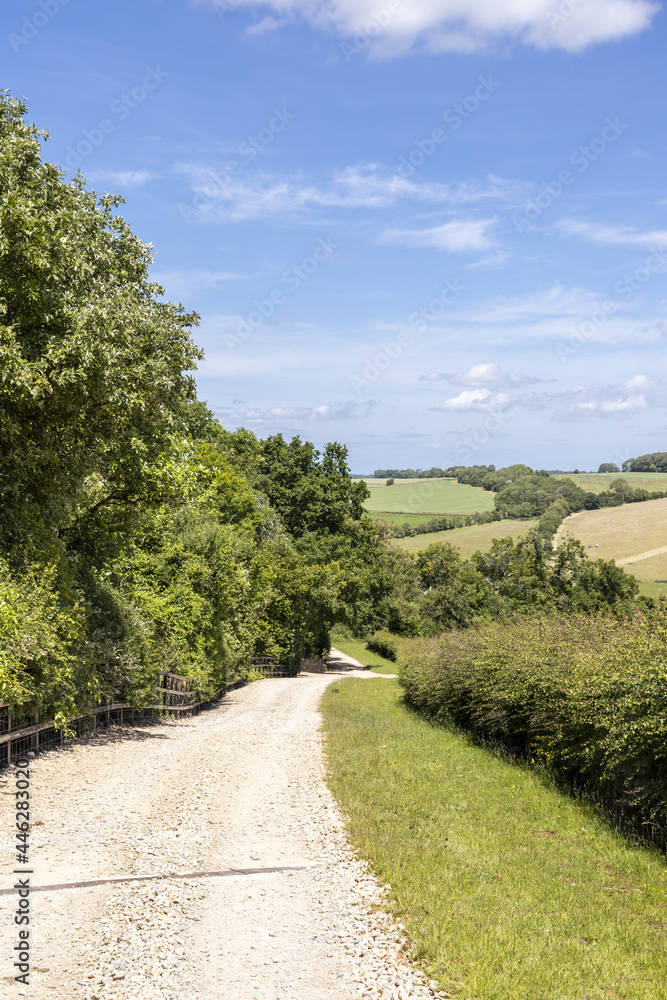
584 695
383 647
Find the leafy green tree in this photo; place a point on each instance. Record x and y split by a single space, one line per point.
312 492
93 364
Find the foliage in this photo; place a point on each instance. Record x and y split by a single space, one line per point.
654 462
517 577
311 492
584 694
136 533
609 467
384 647
92 364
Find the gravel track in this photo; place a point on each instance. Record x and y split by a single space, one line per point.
240 786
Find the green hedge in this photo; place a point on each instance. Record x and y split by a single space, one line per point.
383 647
586 696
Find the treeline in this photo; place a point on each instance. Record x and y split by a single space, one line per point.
655 462
433 473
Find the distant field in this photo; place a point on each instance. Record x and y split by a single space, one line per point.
476 538
623 532
598 482
428 496
652 589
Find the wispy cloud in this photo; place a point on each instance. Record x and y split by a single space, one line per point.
121 178
485 375
613 401
295 415
453 26
184 280
481 400
364 185
595 232
457 236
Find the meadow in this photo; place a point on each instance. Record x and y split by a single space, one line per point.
508 889
428 496
623 533
476 538
598 482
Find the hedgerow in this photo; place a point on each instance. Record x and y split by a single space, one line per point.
586 696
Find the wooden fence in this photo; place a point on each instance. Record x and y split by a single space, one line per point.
20 733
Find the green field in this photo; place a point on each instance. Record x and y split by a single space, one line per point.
508 889
622 533
428 496
476 538
598 482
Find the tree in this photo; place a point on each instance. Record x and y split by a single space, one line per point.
93 365
312 492
609 467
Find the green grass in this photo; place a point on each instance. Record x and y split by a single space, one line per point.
507 888
476 538
357 649
598 482
653 588
429 496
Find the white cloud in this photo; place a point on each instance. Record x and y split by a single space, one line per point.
457 236
476 399
179 281
292 415
120 178
363 185
635 395
594 232
485 374
465 25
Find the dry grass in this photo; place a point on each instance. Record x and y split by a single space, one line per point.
476 538
624 531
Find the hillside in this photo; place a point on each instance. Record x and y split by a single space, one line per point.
630 534
476 538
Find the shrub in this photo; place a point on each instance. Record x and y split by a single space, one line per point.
383 647
584 695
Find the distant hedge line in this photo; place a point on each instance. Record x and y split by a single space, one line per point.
585 695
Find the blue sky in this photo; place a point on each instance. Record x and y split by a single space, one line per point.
433 230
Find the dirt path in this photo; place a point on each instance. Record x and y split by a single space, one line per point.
642 555
241 787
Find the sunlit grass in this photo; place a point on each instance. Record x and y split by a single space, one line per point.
508 888
357 649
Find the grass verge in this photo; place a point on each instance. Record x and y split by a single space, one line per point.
507 888
357 649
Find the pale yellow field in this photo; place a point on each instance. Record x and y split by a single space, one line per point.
476 538
623 532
